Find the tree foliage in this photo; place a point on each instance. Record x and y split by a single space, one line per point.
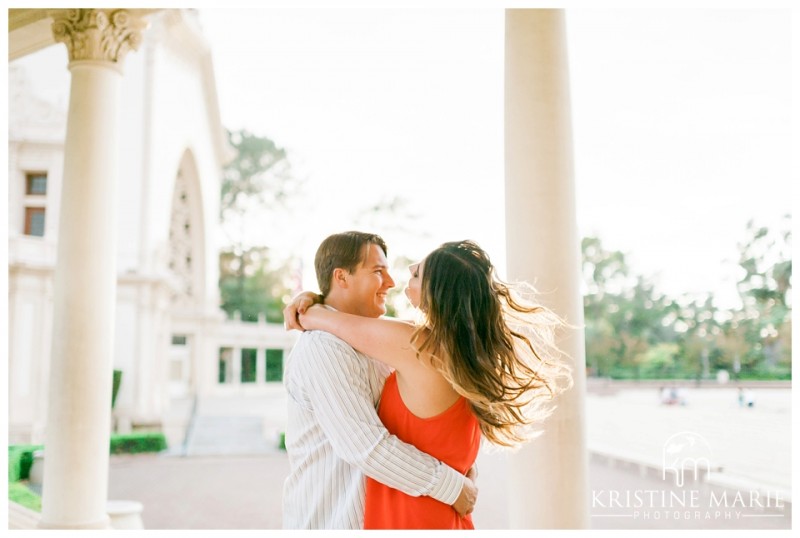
253 285
257 182
764 322
624 315
259 176
632 331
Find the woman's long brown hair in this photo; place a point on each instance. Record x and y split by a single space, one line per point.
494 346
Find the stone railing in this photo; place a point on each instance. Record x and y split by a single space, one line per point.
122 515
20 517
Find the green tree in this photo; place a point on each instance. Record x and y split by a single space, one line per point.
764 321
697 327
256 183
642 321
633 331
252 284
604 271
624 314
605 275
258 177
660 361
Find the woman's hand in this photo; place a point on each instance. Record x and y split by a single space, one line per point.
314 317
298 306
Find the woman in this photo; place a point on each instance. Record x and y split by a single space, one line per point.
480 361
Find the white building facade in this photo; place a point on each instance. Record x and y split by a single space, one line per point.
171 340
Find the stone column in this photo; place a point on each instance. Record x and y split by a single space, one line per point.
261 366
548 477
236 367
79 409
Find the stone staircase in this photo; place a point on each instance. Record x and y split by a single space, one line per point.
227 436
233 427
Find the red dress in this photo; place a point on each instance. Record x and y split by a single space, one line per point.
452 437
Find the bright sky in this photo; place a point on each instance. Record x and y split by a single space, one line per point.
681 122
373 104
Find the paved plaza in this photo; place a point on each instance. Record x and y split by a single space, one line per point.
191 487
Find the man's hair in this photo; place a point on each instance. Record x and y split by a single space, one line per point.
343 250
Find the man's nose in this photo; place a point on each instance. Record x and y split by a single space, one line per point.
388 282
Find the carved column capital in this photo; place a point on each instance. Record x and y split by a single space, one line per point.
104 35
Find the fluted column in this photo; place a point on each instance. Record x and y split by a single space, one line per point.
75 484
547 478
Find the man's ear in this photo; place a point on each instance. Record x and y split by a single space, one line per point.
340 277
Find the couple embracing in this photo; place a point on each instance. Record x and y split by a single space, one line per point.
385 416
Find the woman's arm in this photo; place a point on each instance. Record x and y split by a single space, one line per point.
387 340
298 306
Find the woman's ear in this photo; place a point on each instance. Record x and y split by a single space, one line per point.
340 277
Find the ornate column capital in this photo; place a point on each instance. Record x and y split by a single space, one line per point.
104 35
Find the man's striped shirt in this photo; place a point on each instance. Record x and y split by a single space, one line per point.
334 438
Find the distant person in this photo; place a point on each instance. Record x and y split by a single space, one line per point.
746 397
669 395
481 361
672 395
334 436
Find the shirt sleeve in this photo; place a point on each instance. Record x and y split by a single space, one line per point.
338 389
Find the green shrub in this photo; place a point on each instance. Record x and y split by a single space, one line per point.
20 494
134 443
20 459
115 387
14 464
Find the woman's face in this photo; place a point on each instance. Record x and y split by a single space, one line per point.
414 289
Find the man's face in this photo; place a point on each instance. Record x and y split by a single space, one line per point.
369 284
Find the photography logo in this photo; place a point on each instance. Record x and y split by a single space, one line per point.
683 491
686 452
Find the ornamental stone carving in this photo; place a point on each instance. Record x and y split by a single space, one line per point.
97 34
181 240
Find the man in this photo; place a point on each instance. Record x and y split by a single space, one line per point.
334 436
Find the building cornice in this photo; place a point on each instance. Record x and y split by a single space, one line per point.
28 31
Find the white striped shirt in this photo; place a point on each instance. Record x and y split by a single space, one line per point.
334 437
